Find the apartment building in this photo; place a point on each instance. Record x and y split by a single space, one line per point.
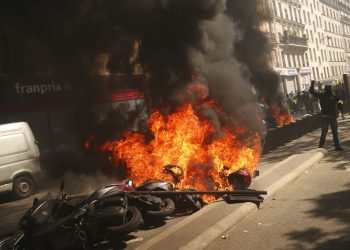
311 41
344 8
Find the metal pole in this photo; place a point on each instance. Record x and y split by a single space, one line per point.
235 192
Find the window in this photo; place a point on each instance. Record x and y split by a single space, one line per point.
310 52
289 62
284 60
313 23
291 13
302 60
315 54
275 8
280 8
312 36
296 15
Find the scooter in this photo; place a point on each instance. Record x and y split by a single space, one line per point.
153 208
184 204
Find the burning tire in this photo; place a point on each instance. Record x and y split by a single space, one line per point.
166 209
133 219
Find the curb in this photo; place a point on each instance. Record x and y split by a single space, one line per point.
242 212
248 209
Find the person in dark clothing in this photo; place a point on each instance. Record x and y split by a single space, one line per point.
329 104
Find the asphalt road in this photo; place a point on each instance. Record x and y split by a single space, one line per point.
311 213
291 220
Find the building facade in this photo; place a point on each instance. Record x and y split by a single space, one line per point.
312 41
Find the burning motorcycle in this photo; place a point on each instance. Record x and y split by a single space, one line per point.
153 208
57 224
182 203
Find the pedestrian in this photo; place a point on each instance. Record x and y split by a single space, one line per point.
307 102
299 99
329 103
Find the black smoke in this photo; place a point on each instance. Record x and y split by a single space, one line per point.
217 41
254 49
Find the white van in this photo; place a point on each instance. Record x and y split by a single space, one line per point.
19 159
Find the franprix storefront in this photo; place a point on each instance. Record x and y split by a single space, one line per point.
289 79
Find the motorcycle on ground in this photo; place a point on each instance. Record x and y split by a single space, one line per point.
57 224
184 204
153 208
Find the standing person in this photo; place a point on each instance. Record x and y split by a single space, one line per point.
329 103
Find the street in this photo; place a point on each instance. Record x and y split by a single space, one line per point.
311 213
298 216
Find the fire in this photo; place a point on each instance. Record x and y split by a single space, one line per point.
187 145
281 117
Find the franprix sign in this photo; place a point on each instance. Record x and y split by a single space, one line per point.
41 88
23 93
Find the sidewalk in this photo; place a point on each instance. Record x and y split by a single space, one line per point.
277 169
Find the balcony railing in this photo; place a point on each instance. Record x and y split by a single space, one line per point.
293 40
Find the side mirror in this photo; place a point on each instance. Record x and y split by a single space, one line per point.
62 186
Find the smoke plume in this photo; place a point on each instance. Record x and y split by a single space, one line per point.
254 49
176 42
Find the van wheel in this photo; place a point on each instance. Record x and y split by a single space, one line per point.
23 186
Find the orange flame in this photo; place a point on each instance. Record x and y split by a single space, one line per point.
281 117
190 142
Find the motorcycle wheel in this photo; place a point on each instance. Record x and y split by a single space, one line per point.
133 219
7 242
166 210
188 204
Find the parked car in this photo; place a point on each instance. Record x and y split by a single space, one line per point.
19 159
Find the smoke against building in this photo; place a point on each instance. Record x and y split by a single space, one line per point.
178 43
